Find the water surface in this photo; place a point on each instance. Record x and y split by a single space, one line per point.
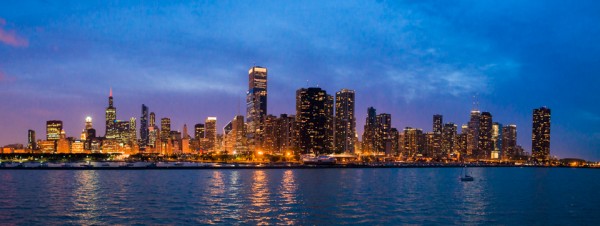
508 196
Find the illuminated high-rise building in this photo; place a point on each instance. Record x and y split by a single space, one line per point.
199 131
152 119
382 133
88 123
438 124
31 142
437 135
238 134
144 131
53 129
540 134
256 103
486 145
473 133
368 139
122 131
285 133
111 117
185 141
496 140
165 129
314 114
412 142
132 131
509 142
153 132
461 140
345 122
210 132
448 139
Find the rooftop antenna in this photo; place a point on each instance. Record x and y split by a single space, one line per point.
307 83
475 102
110 93
238 110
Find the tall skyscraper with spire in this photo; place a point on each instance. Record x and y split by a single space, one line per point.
540 135
111 117
345 122
256 103
144 132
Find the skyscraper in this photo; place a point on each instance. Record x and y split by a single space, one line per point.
345 122
199 131
382 133
31 142
211 133
165 129
111 117
486 145
437 137
437 124
312 120
368 144
412 142
509 142
153 132
132 131
497 140
53 129
540 135
144 132
88 123
448 139
256 103
473 133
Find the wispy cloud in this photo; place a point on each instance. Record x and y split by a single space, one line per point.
10 37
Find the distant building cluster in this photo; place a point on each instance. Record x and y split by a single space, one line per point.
323 124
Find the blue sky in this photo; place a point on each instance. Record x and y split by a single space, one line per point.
189 60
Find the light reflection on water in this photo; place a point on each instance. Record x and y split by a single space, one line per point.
508 196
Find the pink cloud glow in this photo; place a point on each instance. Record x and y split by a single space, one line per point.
10 37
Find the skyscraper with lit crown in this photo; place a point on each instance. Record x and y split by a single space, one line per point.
256 105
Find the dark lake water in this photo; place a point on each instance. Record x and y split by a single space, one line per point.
506 196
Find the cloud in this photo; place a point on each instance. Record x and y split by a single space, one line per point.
10 37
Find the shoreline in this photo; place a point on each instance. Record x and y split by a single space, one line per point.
255 167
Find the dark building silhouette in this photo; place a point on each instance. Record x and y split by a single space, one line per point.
540 135
314 118
368 144
144 132
31 142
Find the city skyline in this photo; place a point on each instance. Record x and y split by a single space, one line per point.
55 67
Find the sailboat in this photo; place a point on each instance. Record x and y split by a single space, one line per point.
465 175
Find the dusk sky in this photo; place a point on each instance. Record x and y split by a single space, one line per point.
412 59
